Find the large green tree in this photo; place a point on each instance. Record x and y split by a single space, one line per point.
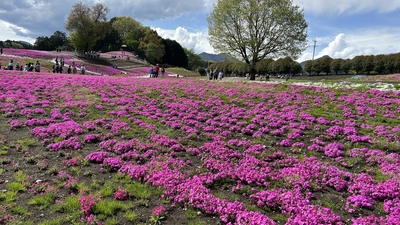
257 29
43 43
263 66
87 25
336 65
124 25
152 46
58 39
325 64
309 67
174 53
357 63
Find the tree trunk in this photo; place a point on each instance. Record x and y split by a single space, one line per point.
252 72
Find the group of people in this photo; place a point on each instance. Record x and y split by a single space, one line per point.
216 74
58 68
62 61
154 71
28 67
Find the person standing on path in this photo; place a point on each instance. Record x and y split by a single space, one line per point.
156 69
162 71
220 75
151 72
74 69
216 73
37 66
1 51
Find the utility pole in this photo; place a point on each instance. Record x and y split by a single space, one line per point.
315 42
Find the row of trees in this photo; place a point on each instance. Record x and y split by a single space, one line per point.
370 64
379 64
266 66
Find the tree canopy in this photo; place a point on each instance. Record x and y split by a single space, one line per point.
152 46
87 25
257 29
124 25
174 53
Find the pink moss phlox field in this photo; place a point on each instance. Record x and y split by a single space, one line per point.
69 60
251 139
35 54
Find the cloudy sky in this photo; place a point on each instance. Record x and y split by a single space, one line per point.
340 28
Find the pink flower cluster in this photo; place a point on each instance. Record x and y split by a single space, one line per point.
121 194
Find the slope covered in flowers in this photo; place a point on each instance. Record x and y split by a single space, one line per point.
233 153
92 65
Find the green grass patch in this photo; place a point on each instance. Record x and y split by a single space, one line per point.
55 221
20 210
21 222
130 215
111 221
26 143
109 207
108 189
279 217
75 170
380 176
122 178
8 196
16 186
43 201
190 213
71 204
20 176
181 71
138 190
196 222
4 149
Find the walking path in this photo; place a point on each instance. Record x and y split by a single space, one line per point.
342 84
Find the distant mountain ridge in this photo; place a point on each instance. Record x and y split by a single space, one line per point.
304 62
213 57
25 43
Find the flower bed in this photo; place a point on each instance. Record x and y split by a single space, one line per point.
245 153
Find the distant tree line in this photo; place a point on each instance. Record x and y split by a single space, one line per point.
363 64
368 65
266 66
14 44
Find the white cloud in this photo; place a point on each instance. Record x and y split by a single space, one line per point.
372 41
196 40
13 32
340 48
348 6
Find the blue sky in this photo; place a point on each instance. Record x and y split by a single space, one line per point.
341 28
